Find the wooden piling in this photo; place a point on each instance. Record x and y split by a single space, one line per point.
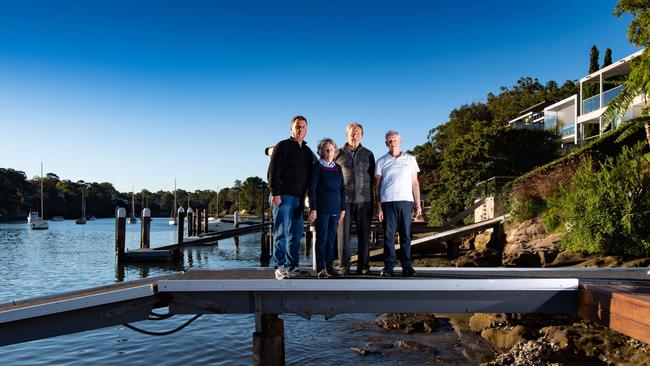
120 232
197 222
205 221
190 222
145 228
236 219
268 341
181 223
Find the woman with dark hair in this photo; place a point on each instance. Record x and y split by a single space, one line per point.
327 204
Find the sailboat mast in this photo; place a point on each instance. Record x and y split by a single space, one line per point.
42 213
132 201
175 207
217 216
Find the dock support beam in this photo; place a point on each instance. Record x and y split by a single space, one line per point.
205 221
268 340
145 229
120 232
197 226
181 223
190 222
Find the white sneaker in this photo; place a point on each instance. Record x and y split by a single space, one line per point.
281 273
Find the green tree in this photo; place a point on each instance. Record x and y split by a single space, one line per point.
14 188
638 81
591 89
484 152
607 60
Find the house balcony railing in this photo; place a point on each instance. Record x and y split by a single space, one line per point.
568 130
593 103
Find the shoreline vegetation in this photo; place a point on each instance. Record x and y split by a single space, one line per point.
62 197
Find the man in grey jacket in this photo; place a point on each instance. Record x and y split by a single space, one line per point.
358 165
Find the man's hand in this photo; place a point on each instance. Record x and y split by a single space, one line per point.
312 216
276 201
418 210
380 214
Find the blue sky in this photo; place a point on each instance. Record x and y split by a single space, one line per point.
139 92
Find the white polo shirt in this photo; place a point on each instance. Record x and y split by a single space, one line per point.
396 177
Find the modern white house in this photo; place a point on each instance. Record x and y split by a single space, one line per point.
531 117
592 108
561 117
577 119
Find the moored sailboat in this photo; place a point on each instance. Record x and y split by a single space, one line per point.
132 219
172 218
82 219
35 221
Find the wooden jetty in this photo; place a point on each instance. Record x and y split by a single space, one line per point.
618 297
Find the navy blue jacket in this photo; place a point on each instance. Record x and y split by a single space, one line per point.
327 189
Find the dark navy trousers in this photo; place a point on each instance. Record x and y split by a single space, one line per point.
397 218
325 234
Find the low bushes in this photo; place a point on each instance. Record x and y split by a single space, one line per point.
605 208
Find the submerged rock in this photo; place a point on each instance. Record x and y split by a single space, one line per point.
480 321
363 351
412 346
504 338
407 322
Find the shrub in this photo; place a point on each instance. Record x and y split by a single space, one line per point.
607 210
526 207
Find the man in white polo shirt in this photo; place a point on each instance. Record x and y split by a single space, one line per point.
398 190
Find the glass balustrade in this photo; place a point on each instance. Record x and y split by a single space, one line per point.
611 94
567 130
593 103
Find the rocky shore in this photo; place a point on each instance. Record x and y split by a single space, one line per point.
529 339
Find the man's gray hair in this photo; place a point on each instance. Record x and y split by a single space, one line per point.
322 143
391 133
352 125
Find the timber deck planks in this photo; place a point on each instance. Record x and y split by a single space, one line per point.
622 307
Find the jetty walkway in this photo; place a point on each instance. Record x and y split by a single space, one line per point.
616 297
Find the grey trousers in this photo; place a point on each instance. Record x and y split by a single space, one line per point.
361 214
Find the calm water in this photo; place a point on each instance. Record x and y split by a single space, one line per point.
70 257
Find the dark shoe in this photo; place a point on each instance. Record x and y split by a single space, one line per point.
408 272
362 271
386 273
344 271
333 273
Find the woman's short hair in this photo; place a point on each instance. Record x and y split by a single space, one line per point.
322 143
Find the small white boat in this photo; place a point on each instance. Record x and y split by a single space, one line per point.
58 218
91 218
225 223
34 221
